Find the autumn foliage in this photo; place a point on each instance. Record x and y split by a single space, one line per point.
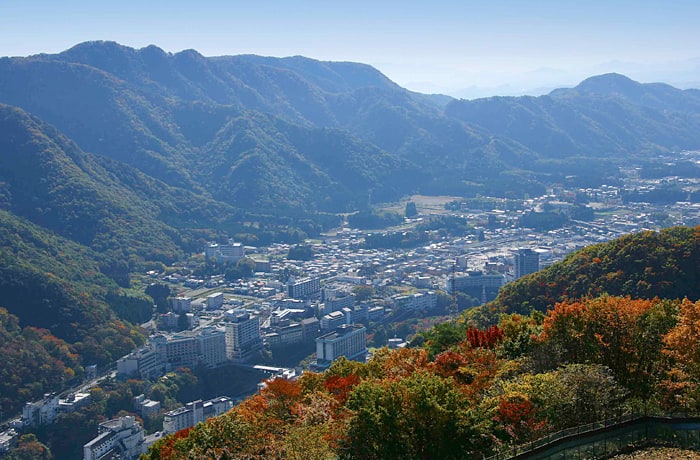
585 360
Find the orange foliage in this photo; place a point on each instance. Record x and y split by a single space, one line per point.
403 362
621 333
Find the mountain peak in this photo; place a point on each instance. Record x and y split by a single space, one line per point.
610 83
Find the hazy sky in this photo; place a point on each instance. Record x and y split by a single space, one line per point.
423 45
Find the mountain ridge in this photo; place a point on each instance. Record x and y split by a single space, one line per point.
163 113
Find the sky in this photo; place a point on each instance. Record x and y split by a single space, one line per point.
453 47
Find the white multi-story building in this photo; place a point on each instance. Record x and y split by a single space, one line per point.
194 413
215 301
231 252
332 320
242 336
181 304
212 346
122 436
206 346
147 362
285 334
74 401
338 303
181 350
349 340
474 280
417 301
41 412
304 288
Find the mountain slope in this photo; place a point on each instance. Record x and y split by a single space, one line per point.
181 118
95 201
49 181
643 265
163 114
605 115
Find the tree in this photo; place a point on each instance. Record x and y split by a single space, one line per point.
159 293
300 252
243 268
411 210
624 334
420 416
29 448
363 292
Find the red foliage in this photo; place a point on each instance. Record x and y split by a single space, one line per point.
341 387
518 415
488 338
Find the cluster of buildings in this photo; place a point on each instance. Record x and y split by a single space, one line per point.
45 411
195 412
236 340
124 437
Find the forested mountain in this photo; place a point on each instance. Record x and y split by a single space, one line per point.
642 265
462 392
54 312
235 128
604 115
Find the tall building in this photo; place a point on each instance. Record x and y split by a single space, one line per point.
308 287
215 301
526 261
243 338
212 346
181 351
332 304
349 340
181 304
41 412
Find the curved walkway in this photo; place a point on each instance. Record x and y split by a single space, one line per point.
606 438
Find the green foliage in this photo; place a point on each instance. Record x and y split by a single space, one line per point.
411 210
300 252
34 362
643 265
56 291
421 416
29 448
363 292
243 268
372 220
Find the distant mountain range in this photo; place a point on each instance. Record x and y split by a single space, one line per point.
295 136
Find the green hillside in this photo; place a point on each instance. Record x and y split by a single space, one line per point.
642 265
55 312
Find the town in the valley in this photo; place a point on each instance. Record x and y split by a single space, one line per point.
345 298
